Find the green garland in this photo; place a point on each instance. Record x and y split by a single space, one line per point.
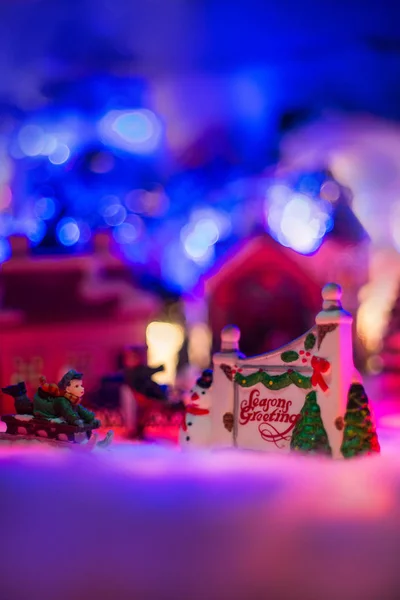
274 382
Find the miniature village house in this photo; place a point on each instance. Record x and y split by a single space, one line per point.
305 397
272 292
67 311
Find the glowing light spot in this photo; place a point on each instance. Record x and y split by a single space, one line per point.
114 215
376 300
6 225
31 140
68 232
279 194
35 230
208 230
298 221
135 127
199 348
106 202
330 191
134 201
374 364
164 340
136 130
154 203
177 268
60 155
195 245
45 208
49 145
6 169
126 233
202 232
5 250
394 224
5 197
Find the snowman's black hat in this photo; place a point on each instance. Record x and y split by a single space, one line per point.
206 379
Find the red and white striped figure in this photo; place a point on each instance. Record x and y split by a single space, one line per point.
196 427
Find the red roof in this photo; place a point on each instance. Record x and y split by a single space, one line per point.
72 288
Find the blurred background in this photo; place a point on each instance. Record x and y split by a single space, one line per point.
167 168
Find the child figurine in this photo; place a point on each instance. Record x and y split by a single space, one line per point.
63 401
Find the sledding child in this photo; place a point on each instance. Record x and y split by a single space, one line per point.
63 401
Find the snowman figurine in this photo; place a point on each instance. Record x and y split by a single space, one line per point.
196 427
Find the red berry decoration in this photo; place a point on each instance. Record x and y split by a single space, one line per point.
303 360
301 352
308 354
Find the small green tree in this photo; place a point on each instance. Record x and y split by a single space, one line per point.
309 433
359 435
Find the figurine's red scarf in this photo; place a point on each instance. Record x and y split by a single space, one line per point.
53 390
192 409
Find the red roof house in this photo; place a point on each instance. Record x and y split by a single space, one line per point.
68 311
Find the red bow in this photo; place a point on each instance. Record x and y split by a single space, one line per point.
319 365
192 409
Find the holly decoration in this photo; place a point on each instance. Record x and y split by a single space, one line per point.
320 366
291 355
309 434
309 342
273 382
359 436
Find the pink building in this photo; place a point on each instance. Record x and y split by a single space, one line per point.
68 311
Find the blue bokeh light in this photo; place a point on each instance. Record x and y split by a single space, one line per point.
296 220
68 232
35 230
5 250
114 214
45 208
177 268
126 233
60 155
31 139
137 131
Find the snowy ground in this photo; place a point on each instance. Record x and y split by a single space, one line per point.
150 522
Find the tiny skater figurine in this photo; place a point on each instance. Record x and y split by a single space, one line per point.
137 376
63 400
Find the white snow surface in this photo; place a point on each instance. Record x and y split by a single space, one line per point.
24 417
150 522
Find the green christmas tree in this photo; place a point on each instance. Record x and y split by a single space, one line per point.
359 436
309 434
